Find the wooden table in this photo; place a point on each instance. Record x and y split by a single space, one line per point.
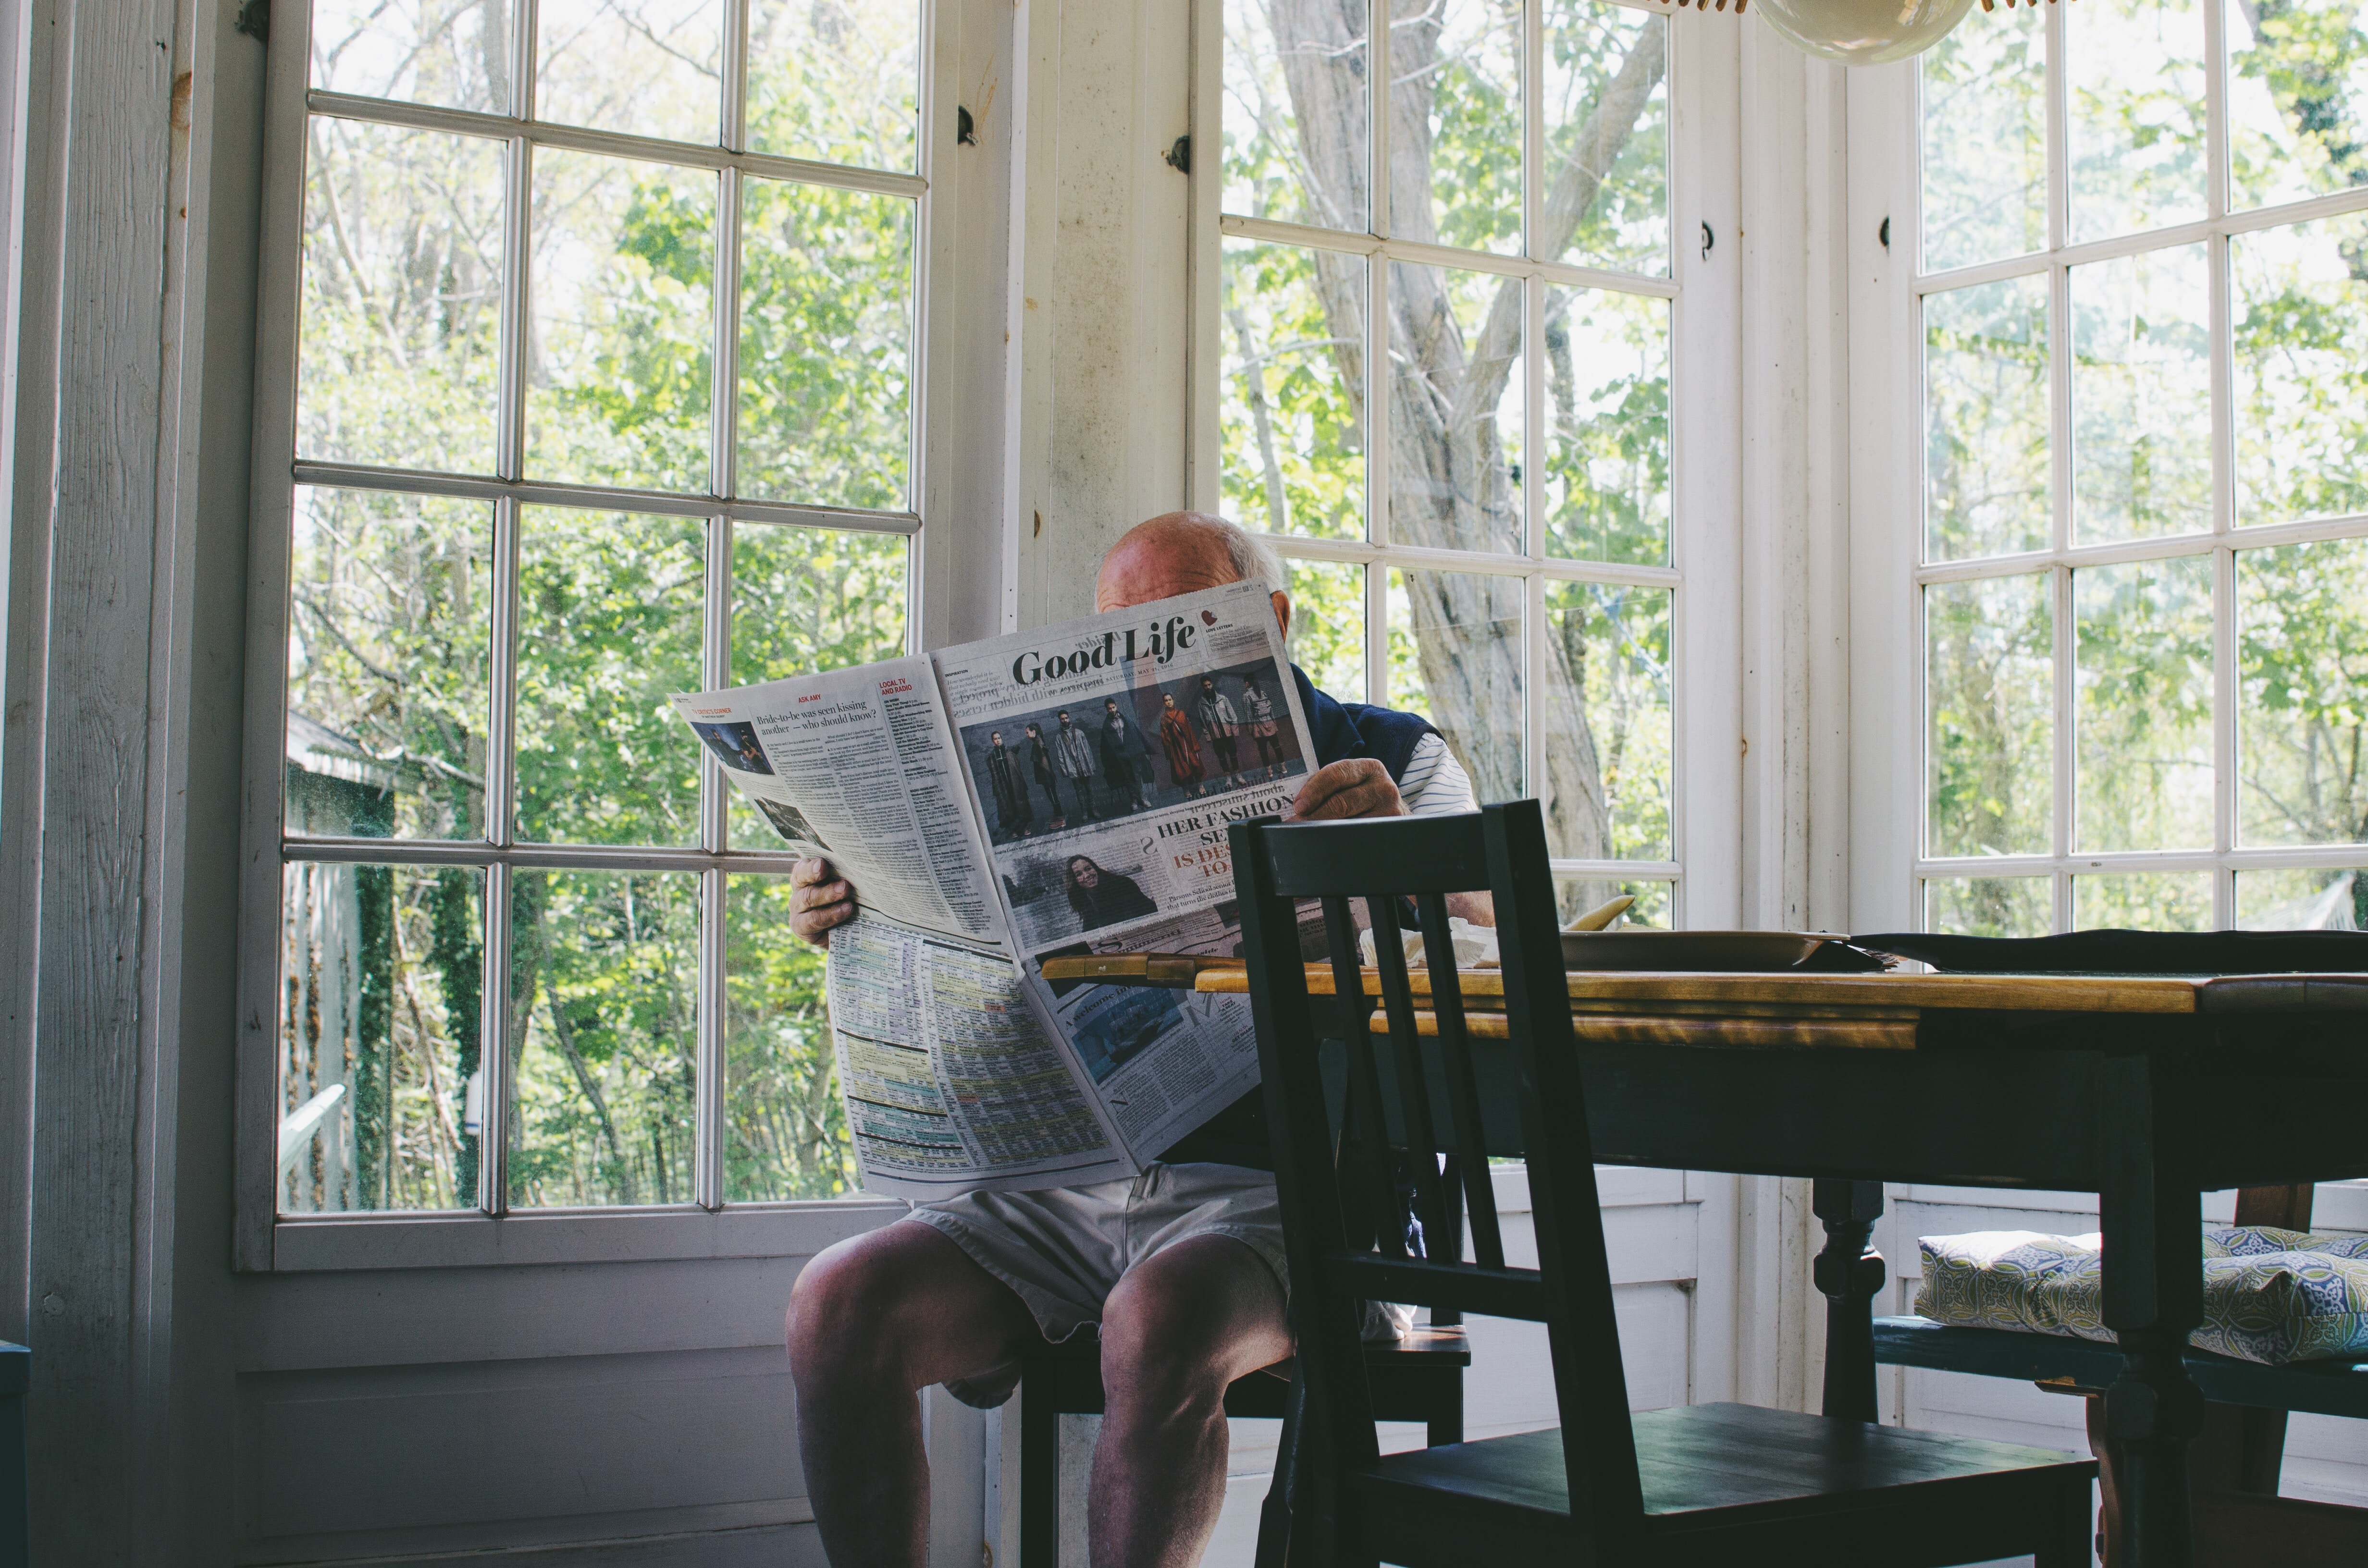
2125 1086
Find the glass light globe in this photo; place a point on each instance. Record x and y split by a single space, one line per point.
1862 32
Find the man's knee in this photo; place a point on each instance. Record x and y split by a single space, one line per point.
1173 1336
844 1311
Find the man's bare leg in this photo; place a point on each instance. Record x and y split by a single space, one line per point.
872 1320
1179 1328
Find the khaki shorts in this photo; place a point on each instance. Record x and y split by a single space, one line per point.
1065 1249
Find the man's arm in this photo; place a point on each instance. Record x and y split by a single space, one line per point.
1362 787
820 898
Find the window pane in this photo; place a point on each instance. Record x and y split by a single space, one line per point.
1984 134
2301 309
1607 479
2298 100
1990 906
1608 737
1291 397
2302 901
1296 113
2136 115
1656 904
805 600
380 973
1455 125
390 628
2144 709
604 986
1985 400
825 345
839 83
2148 901
1606 104
1990 694
1456 389
1327 626
621 359
1456 658
426 51
2302 720
645 67
2142 395
609 609
786 1126
402 304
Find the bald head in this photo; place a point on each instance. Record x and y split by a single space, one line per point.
1183 552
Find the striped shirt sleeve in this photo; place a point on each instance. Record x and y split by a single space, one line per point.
1435 783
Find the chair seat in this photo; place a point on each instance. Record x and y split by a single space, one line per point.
2324 1388
1708 1469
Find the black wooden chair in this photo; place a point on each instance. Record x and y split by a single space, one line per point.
1722 1483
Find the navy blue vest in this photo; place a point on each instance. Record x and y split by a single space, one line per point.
1238 1134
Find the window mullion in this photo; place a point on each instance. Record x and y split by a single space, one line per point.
2224 730
2067 799
517 216
493 1048
524 42
2216 103
733 131
723 377
708 1111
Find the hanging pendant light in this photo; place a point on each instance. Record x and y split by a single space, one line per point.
1861 32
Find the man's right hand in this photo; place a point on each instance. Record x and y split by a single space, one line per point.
819 898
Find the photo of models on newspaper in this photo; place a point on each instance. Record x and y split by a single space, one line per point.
736 745
1154 747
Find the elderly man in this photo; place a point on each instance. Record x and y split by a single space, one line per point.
1181 1267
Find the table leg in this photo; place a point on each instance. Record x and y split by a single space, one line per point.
1850 1275
2153 1225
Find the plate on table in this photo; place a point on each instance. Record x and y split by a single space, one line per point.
1640 948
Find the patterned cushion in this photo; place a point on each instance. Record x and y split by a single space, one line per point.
2269 1296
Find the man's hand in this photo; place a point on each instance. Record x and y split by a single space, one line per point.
1359 787
820 898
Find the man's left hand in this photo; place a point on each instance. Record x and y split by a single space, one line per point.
1361 787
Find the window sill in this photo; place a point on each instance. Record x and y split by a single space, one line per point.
350 1242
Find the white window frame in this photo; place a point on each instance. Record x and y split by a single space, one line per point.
1702 289
265 1239
1890 737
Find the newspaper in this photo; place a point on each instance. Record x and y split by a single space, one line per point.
1053 792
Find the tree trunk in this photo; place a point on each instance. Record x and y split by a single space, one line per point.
1451 483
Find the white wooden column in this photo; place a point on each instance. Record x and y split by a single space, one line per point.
1795 673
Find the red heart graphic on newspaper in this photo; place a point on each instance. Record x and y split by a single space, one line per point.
1207 618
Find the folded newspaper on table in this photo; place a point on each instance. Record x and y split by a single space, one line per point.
1048 794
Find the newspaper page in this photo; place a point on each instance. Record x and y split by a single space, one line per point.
859 766
1107 757
951 1084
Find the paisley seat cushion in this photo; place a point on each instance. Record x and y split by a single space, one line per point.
2269 1295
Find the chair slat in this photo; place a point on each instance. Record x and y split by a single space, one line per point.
1364 1125
1405 1048
1325 859
1462 1092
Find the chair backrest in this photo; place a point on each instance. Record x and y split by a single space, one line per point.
1343 1162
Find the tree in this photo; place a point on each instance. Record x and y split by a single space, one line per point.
1297 424
391 615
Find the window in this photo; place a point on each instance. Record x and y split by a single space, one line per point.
595 322
1471 277
2143 584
